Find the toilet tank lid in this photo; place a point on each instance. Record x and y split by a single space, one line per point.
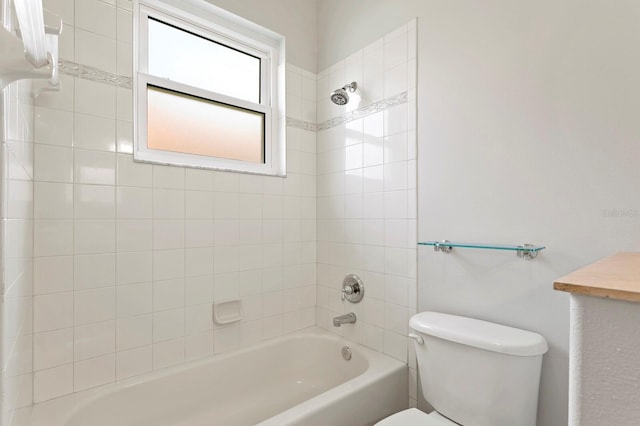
480 334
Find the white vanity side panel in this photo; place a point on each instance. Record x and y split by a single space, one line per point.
604 362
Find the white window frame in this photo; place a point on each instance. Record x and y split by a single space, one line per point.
215 24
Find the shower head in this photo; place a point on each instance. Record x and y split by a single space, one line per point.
340 96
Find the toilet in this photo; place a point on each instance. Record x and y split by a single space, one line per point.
474 373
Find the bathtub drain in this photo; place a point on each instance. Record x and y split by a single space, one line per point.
346 353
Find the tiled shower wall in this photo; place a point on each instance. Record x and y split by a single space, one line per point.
16 165
129 257
367 194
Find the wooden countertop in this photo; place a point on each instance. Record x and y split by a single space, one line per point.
614 277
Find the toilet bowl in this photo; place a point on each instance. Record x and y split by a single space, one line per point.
415 417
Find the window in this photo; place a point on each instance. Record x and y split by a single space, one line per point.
209 89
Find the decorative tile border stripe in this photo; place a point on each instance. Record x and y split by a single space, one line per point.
351 115
378 106
304 125
90 73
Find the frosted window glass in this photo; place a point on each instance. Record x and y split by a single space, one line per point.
182 123
190 59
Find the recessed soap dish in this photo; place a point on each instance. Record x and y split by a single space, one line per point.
227 311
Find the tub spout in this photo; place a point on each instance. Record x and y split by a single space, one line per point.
349 318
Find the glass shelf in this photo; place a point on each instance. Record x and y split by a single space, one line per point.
525 251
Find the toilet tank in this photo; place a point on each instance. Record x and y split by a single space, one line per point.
478 373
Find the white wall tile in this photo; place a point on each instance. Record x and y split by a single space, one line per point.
94 202
395 80
168 264
124 22
133 332
134 362
94 98
53 163
395 148
95 50
198 319
133 267
226 182
94 133
52 349
226 338
95 270
198 345
198 179
52 383
226 206
94 236
198 261
168 353
251 284
226 286
396 120
395 176
124 137
96 16
94 340
53 200
168 325
373 84
134 299
395 345
124 104
134 235
53 274
168 204
168 234
134 203
272 327
168 177
396 49
198 233
199 205
168 294
94 372
94 167
272 303
53 126
52 311
396 204
94 305
131 173
198 290
53 237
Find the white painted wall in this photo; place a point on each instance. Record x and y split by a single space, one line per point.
605 362
295 19
527 132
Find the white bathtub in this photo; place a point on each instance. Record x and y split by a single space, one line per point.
300 379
